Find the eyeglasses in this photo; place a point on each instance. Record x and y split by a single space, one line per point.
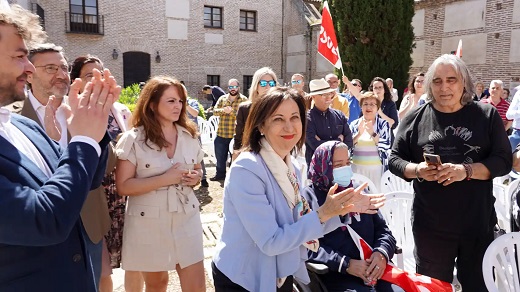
264 83
369 104
233 87
296 82
53 69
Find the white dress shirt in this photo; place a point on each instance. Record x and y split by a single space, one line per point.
513 112
18 139
60 116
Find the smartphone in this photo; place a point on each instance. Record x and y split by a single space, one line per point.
432 159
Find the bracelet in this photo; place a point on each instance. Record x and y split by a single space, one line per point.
417 174
469 170
319 217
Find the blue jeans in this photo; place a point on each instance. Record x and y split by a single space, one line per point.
514 139
221 153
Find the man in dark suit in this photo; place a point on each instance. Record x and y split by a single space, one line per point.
42 187
51 77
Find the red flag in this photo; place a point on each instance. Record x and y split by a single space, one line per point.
459 50
327 43
409 282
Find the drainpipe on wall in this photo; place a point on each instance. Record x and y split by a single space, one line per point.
309 53
282 73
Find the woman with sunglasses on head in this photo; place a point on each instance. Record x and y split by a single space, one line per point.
118 122
263 80
415 91
158 166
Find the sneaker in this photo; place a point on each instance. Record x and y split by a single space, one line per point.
217 178
204 183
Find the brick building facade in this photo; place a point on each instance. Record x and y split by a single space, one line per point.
489 29
137 39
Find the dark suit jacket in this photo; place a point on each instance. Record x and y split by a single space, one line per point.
94 214
42 246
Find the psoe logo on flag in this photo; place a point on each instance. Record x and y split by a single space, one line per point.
327 42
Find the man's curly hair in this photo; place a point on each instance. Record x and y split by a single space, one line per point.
26 23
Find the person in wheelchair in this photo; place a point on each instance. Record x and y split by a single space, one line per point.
330 165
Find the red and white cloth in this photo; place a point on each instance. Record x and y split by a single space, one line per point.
410 282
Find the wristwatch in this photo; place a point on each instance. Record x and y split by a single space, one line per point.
374 135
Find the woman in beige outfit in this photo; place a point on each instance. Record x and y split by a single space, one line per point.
159 163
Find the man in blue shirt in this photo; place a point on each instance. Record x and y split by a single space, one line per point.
353 96
213 93
324 123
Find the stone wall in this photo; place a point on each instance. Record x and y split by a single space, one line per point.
489 29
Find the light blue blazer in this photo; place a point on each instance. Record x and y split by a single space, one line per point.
260 241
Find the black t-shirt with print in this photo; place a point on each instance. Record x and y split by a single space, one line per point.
473 134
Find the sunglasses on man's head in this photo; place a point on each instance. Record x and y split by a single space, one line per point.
264 83
296 82
233 86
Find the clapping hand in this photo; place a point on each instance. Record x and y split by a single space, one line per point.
350 200
50 122
87 112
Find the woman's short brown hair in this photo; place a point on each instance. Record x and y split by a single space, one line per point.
144 114
263 109
369 95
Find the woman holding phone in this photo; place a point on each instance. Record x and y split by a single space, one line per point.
158 166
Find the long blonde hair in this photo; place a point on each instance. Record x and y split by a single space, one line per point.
253 90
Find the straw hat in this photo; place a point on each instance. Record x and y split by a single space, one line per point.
319 86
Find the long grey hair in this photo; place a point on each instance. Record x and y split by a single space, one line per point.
461 69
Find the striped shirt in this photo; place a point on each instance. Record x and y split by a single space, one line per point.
366 152
226 124
382 128
501 107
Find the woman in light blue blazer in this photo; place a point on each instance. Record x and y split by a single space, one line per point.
268 225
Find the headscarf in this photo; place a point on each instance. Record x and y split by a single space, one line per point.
320 168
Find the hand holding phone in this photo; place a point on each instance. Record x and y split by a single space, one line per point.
432 159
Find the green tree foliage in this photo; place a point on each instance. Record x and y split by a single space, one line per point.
375 38
129 96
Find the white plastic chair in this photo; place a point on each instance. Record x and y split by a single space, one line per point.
208 133
358 179
397 212
511 188
502 205
392 183
500 264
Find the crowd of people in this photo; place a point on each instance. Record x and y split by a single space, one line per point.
88 186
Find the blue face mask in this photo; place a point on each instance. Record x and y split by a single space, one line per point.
342 175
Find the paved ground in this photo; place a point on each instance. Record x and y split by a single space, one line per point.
211 212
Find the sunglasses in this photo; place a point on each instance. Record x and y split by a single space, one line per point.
355 84
233 86
296 82
264 83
